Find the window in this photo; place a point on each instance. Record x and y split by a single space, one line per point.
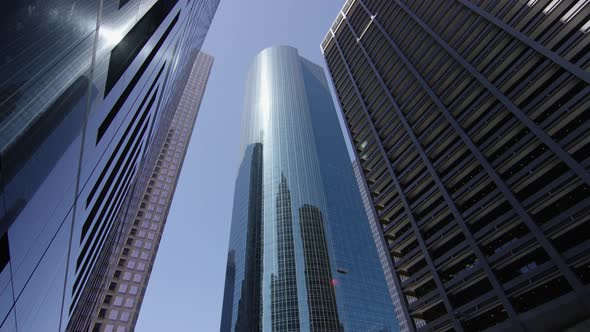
123 288
113 315
133 290
118 301
124 316
129 302
4 251
127 276
129 47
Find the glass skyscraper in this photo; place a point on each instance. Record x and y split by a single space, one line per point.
85 89
121 280
301 257
470 123
382 250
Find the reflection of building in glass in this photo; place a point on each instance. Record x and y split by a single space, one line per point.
249 305
321 297
285 315
84 113
242 297
392 281
316 266
470 122
230 282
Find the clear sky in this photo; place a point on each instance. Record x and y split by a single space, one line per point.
185 291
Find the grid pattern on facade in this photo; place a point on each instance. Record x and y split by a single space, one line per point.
320 270
470 123
249 306
284 304
74 141
392 281
127 284
321 297
242 305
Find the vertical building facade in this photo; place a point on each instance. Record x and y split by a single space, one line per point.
85 89
301 257
470 123
123 286
382 250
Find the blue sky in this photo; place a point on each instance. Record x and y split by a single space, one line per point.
186 287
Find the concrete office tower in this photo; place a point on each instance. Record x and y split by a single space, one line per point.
84 89
470 122
124 285
301 257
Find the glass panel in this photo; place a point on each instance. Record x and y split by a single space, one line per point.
38 307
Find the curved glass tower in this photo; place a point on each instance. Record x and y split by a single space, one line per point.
301 257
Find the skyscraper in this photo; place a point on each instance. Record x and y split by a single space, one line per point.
301 257
470 123
382 250
86 88
131 259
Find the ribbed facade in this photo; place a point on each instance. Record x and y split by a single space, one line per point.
87 95
470 123
301 257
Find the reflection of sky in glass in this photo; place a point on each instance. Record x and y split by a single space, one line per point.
307 188
111 36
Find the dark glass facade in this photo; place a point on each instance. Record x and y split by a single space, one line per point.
123 278
301 256
470 121
85 87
